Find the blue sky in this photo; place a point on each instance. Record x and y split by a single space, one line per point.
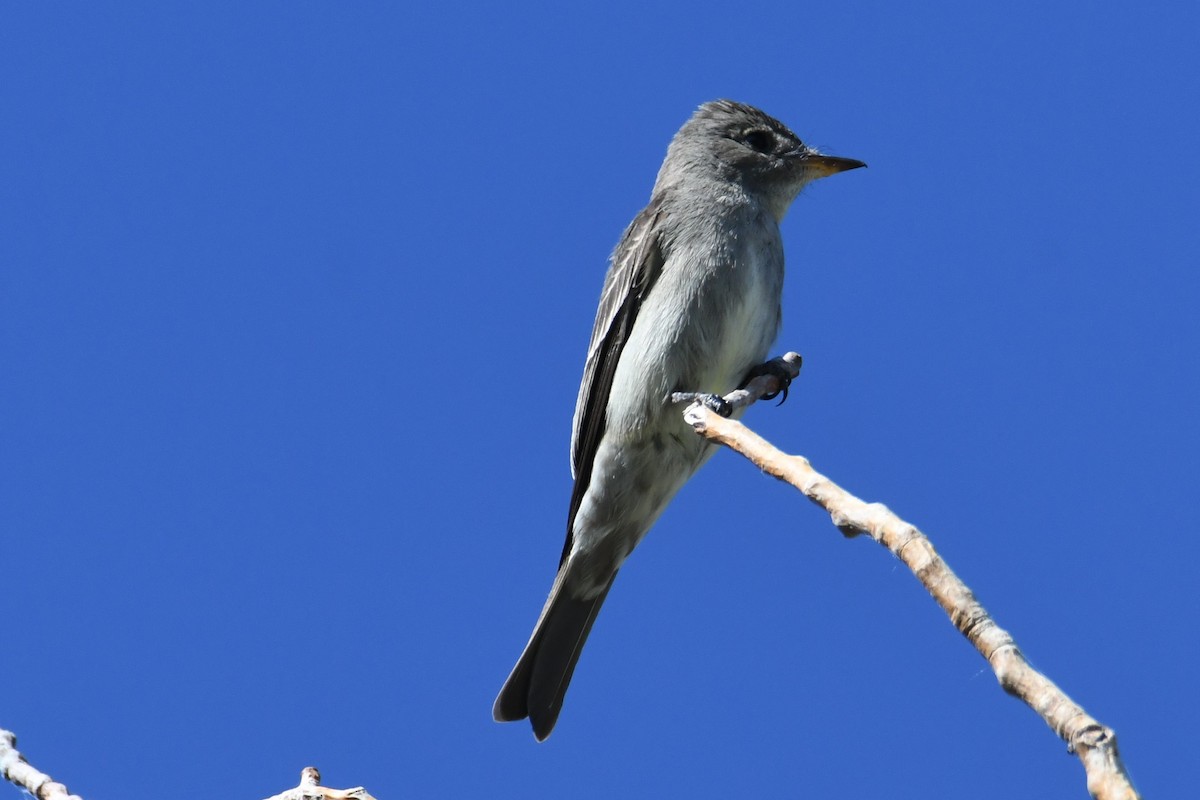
294 301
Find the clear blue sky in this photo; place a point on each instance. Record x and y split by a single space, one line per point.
294 300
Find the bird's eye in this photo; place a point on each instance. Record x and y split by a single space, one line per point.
759 140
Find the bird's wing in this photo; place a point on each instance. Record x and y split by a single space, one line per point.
635 268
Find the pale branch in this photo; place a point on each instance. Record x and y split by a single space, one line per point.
1095 744
18 771
310 788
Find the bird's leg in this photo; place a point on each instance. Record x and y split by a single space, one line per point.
776 370
713 402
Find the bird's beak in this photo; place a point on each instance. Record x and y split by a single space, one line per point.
824 166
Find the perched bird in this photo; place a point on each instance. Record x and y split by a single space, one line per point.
691 303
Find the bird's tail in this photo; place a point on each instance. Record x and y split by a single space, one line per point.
539 681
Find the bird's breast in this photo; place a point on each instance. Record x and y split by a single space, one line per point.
746 323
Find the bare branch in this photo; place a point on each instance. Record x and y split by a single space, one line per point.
310 788
17 770
1095 744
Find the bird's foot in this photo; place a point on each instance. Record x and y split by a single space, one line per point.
776 370
713 402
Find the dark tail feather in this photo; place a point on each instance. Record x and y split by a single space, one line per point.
539 681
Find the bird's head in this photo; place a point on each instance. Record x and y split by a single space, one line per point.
736 142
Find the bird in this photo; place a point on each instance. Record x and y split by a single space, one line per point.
691 303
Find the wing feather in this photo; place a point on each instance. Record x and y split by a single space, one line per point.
637 262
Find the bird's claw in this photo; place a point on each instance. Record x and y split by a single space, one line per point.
775 370
713 402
